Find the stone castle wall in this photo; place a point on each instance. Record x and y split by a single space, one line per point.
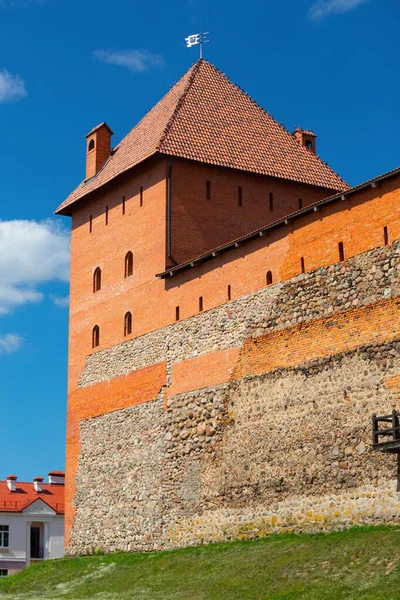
280 443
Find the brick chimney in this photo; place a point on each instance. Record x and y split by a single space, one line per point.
57 477
98 148
306 138
12 482
38 484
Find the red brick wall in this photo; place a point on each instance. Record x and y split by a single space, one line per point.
198 224
358 222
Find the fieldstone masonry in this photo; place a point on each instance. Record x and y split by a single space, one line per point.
286 450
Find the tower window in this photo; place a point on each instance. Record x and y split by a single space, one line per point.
300 203
141 195
341 251
129 264
97 280
303 270
308 144
240 198
106 215
95 336
208 190
385 236
269 277
91 224
177 316
123 205
91 145
128 324
271 201
201 303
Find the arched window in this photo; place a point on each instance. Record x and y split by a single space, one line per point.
269 278
128 264
95 336
97 280
128 324
91 145
308 144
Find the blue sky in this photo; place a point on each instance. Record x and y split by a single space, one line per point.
330 65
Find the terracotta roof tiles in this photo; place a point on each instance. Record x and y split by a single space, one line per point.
205 117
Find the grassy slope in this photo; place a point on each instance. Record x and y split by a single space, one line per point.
359 563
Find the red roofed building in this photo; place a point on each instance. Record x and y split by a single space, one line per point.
31 521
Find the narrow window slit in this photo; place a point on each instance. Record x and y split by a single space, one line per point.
141 195
201 303
341 251
229 292
91 224
106 215
271 201
208 190
177 313
385 236
303 270
128 324
95 336
123 205
269 278
240 198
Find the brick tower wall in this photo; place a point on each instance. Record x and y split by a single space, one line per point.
253 415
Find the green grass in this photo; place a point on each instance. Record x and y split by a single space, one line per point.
356 564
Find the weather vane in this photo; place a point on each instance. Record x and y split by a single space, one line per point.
197 38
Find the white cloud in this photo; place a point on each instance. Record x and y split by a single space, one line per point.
12 87
10 342
324 8
61 301
31 254
135 60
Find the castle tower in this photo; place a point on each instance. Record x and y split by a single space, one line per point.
206 203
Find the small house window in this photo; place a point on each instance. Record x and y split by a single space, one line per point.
271 201
4 536
97 280
341 251
300 203
128 324
95 336
91 145
3 572
129 264
208 190
240 198
269 278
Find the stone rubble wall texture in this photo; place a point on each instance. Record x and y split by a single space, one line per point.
279 441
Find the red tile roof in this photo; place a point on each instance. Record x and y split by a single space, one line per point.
205 117
25 494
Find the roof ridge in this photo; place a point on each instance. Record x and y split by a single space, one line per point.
195 69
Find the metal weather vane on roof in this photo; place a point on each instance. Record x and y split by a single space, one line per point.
197 38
